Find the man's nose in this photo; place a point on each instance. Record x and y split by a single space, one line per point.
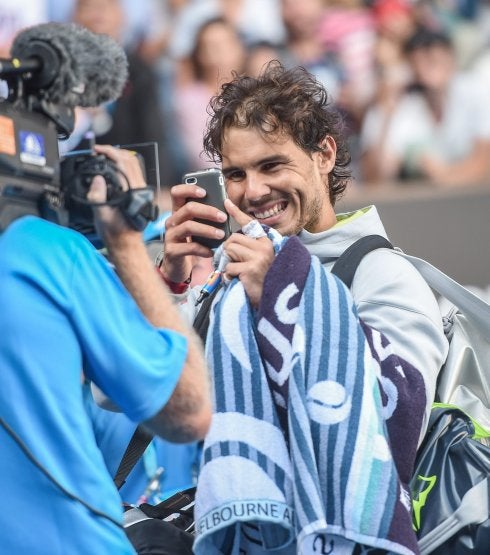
256 187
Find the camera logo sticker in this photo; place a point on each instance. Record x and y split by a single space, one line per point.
7 136
32 149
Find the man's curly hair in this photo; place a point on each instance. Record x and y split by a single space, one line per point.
280 100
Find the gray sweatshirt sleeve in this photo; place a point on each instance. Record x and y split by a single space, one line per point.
392 297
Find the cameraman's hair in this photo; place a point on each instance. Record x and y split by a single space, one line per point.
280 101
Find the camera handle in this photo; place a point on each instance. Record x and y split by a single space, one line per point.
138 207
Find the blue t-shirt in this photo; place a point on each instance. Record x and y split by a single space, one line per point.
63 309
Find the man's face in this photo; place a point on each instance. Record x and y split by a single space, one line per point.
302 18
101 16
433 67
276 182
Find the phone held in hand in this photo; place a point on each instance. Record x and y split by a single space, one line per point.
213 182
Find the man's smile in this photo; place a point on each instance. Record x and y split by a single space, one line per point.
269 212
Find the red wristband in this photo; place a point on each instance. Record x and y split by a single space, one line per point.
177 287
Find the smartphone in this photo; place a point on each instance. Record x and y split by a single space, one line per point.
213 182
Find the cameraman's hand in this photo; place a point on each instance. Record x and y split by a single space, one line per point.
110 222
179 250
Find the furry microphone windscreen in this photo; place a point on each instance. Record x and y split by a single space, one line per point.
93 68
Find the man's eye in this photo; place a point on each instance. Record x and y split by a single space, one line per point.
235 176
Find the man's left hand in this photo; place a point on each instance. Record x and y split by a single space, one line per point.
250 258
110 222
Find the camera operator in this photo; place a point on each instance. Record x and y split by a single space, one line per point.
63 310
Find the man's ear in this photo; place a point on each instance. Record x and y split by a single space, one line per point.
327 155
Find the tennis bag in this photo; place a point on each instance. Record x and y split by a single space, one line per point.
451 485
162 529
451 482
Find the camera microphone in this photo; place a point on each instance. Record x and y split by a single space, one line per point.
54 68
67 64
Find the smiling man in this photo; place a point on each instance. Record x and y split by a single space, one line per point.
285 162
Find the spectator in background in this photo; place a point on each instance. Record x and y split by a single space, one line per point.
463 20
258 56
395 23
136 116
480 62
395 19
303 45
217 52
15 15
439 129
159 29
348 30
255 20
140 18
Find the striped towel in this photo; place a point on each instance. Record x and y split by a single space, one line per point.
298 459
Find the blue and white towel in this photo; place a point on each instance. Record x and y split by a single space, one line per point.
298 458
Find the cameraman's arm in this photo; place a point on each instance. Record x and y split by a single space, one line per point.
186 416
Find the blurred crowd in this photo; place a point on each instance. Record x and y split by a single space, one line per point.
411 77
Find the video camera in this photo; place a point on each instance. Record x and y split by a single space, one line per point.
55 68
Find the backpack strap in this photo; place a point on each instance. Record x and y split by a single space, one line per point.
346 265
139 441
201 321
472 306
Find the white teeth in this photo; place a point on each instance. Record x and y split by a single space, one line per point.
268 213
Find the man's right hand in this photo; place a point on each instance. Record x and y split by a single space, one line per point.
179 248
